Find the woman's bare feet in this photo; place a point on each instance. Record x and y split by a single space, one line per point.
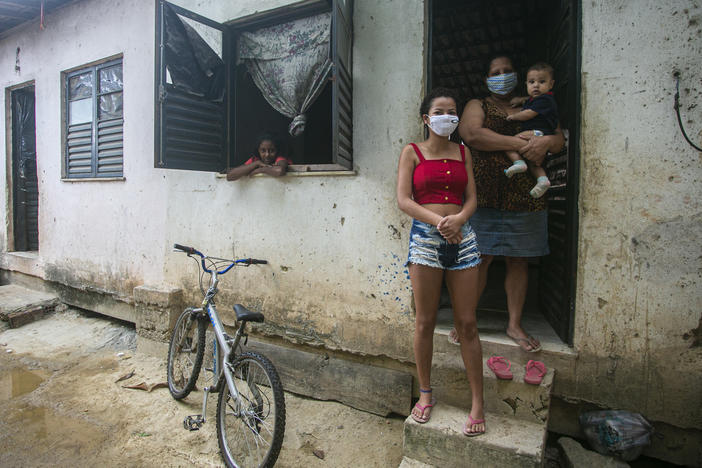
525 341
453 337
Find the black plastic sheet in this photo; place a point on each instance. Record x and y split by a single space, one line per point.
25 143
193 65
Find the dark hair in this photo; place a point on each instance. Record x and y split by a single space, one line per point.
488 62
541 66
437 93
267 136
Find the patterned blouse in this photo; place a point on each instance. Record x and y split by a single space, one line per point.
493 188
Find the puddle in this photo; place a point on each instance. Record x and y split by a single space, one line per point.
16 382
55 438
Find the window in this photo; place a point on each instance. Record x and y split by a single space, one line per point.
93 110
209 109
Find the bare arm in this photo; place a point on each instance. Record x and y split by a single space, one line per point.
526 114
476 136
278 169
450 226
243 170
405 202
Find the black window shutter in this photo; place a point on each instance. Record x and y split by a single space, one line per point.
342 91
191 119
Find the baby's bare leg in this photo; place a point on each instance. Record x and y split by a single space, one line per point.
518 164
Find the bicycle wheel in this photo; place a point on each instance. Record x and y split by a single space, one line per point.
250 428
185 353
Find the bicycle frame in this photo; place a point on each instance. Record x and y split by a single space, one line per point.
227 345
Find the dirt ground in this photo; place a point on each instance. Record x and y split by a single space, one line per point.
61 406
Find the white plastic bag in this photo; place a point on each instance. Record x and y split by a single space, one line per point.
619 433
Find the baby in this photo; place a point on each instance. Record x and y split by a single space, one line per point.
538 116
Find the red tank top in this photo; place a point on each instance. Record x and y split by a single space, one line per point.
439 180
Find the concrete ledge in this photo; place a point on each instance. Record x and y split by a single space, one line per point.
412 463
157 308
369 388
574 455
440 442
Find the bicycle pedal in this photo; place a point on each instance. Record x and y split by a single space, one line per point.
194 422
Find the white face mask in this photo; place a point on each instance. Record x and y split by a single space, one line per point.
443 125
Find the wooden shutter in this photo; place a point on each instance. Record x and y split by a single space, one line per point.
342 91
79 150
191 129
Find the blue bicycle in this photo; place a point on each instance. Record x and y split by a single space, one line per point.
251 404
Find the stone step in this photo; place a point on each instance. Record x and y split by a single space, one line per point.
412 463
507 442
510 398
19 305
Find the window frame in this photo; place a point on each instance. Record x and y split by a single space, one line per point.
342 115
115 126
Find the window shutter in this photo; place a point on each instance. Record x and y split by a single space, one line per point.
79 149
342 92
109 148
191 118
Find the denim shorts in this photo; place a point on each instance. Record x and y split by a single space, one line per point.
428 247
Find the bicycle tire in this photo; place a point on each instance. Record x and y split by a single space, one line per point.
251 434
184 360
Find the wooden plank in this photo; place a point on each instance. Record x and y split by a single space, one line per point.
369 388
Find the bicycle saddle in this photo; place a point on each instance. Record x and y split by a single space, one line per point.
242 313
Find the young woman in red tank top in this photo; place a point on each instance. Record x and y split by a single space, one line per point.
435 186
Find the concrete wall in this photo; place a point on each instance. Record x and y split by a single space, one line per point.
639 303
337 243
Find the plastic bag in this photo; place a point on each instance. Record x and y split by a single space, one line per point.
619 433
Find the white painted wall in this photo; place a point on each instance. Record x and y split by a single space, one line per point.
336 243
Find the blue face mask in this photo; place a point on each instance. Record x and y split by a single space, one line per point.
502 84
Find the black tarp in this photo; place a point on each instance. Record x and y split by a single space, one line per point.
193 65
24 158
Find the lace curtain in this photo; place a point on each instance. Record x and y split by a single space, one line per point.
290 64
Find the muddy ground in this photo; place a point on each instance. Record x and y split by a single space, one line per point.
60 405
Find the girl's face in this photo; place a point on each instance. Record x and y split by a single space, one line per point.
267 151
439 106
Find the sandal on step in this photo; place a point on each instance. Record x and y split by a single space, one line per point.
470 423
423 419
500 366
535 371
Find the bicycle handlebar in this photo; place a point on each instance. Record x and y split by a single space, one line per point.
193 251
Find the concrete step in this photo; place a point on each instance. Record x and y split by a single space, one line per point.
510 398
19 305
507 442
412 463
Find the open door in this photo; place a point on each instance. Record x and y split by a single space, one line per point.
463 36
558 271
25 189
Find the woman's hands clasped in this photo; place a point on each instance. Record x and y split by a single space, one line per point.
450 228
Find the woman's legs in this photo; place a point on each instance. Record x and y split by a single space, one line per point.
485 261
426 287
516 283
463 288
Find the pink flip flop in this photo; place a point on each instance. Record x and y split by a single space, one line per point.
535 371
423 419
500 366
467 425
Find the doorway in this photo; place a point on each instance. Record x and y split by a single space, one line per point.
463 35
25 189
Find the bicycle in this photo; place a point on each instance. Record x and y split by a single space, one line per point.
251 405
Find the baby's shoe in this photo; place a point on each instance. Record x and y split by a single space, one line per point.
516 168
542 184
